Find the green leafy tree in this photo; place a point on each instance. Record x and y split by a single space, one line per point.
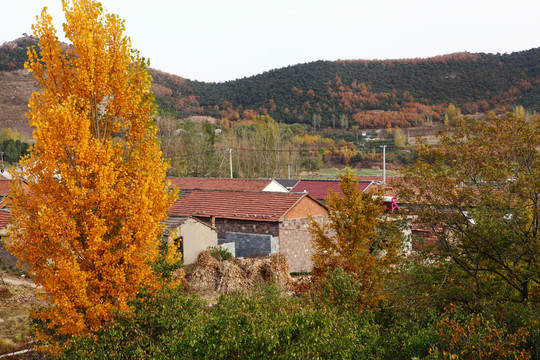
263 149
189 147
11 153
478 193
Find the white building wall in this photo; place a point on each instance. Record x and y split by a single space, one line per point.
274 186
196 238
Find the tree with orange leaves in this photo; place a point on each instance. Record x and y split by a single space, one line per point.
87 224
358 238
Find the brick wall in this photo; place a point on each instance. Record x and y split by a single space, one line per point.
305 207
224 226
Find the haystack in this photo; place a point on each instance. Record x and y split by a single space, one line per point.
233 278
280 269
205 273
258 269
210 276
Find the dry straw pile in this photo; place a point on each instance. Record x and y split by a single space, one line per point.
209 276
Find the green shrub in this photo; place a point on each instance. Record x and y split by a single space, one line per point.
219 253
268 324
339 289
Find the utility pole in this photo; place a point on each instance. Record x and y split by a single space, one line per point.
230 161
384 163
288 170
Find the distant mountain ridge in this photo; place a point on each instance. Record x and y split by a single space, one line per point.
403 92
332 93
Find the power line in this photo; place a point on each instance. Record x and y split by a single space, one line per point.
224 150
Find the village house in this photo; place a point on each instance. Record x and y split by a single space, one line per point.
191 236
282 216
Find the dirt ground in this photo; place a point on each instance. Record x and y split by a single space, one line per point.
17 296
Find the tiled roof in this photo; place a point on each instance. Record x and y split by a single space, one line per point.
319 188
5 216
4 187
219 183
287 183
173 222
242 205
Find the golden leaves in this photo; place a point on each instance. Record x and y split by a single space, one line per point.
88 221
356 237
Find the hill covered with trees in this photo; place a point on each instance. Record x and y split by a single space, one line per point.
341 94
367 93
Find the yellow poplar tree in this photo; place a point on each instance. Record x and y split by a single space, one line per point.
87 224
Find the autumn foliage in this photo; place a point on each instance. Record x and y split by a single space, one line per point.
87 226
478 336
357 238
480 199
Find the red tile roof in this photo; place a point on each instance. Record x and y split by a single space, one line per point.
319 188
241 205
4 218
5 187
219 183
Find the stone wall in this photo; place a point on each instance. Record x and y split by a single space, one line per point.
6 258
294 237
295 243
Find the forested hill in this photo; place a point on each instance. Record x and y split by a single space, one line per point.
346 93
399 91
457 78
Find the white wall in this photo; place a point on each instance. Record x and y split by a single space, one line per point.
196 237
274 186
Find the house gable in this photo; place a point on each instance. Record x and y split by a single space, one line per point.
304 207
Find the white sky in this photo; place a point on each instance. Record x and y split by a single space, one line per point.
220 40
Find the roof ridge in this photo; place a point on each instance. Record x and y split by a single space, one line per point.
217 178
268 193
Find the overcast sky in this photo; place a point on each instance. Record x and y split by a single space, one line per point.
220 40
